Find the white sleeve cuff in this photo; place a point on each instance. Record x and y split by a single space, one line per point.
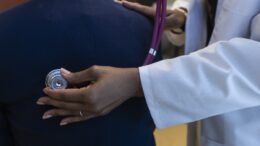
163 113
150 99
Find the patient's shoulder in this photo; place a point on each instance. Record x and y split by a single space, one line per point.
73 17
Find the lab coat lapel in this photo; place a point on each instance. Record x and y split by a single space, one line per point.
196 37
234 17
196 27
255 31
196 34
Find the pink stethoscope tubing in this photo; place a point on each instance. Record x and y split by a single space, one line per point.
160 16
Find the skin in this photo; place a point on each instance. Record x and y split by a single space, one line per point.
175 18
108 85
109 88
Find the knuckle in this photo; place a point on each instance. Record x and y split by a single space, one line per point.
94 68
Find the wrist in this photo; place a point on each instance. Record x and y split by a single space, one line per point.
136 83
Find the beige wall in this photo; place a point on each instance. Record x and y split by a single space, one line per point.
174 136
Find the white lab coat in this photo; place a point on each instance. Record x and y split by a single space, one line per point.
219 84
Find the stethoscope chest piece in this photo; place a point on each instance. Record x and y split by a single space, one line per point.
55 80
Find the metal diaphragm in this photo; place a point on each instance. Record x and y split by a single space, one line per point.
55 80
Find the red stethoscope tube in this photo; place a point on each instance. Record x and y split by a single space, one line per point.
161 8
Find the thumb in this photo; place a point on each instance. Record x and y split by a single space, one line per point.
78 77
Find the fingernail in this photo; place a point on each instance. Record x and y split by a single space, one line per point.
117 1
63 123
64 71
40 103
46 117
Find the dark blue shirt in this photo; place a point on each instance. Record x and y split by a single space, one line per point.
42 35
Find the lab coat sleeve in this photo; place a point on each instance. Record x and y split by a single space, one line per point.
221 78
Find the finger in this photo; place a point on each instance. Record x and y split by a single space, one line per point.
59 112
76 119
70 95
169 12
175 20
149 11
60 104
172 22
89 74
118 1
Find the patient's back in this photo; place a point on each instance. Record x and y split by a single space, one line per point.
42 35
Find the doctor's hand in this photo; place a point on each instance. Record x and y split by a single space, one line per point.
175 18
109 88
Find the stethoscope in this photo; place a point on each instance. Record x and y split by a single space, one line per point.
161 7
55 80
